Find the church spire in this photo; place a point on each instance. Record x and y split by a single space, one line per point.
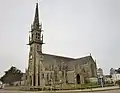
36 18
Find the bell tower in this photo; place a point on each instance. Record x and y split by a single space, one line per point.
35 43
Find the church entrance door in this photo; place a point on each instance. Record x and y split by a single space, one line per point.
30 81
78 79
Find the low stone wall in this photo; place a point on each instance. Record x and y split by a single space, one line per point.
16 88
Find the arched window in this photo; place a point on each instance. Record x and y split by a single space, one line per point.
51 75
38 47
32 35
47 76
42 75
38 34
31 49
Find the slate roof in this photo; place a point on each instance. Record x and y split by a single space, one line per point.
51 59
83 60
80 61
55 56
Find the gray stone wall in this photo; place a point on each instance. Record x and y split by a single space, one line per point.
71 77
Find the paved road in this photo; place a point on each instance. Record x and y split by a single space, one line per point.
111 91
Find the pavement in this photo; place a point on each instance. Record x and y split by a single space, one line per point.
114 89
111 91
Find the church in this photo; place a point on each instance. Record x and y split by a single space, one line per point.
47 69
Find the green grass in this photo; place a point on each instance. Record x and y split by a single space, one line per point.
87 86
80 86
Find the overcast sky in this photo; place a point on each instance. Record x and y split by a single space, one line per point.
73 28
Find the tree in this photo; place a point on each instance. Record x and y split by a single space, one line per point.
118 70
13 74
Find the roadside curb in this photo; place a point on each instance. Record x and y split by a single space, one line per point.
93 90
102 90
82 90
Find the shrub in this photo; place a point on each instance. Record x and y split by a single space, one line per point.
118 83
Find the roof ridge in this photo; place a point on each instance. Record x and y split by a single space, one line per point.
58 56
83 57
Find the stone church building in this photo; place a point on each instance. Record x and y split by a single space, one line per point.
46 69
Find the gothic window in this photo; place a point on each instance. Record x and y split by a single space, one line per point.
32 36
66 67
37 47
42 75
51 75
31 49
38 34
55 75
47 76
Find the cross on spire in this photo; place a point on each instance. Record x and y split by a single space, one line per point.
37 1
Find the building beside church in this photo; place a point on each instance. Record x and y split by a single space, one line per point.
99 72
46 69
